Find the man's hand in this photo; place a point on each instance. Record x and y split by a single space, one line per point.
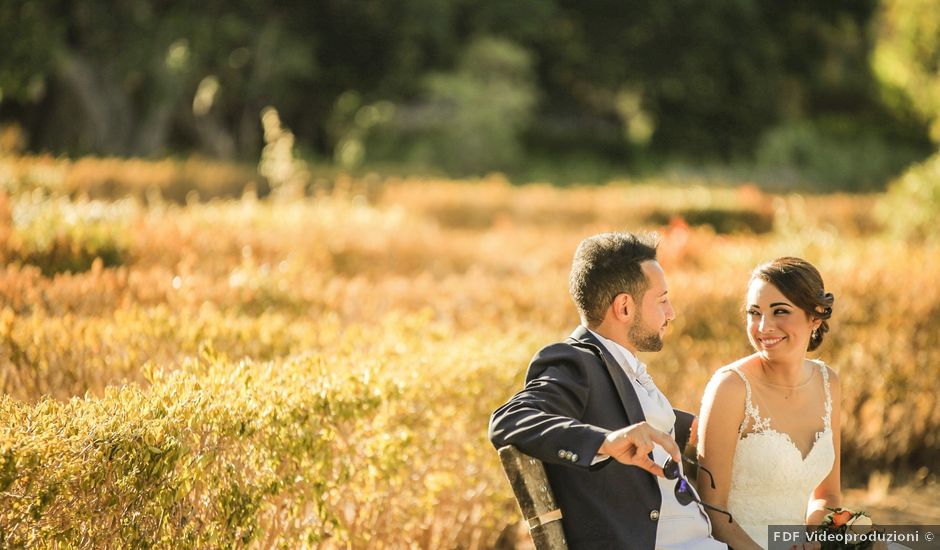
632 444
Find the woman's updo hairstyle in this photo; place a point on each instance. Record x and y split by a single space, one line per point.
802 284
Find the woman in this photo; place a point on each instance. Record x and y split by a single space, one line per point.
769 425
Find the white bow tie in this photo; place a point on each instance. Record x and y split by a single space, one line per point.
645 379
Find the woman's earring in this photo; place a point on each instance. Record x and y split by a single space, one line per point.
815 334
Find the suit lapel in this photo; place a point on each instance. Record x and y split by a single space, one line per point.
629 400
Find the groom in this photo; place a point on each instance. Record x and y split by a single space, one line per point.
593 415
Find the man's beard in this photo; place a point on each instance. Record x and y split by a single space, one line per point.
644 339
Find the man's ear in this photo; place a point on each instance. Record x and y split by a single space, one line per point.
624 308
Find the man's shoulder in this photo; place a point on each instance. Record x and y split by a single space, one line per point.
570 349
578 359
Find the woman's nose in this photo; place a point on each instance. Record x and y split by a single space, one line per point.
764 324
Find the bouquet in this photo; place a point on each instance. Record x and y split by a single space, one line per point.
843 529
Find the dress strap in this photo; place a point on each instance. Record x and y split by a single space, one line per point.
827 418
751 412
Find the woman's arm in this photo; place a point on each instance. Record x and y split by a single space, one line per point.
828 494
719 421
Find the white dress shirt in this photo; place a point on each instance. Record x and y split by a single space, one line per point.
680 527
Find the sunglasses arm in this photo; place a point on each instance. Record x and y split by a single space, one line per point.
717 509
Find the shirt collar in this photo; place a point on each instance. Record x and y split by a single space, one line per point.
623 356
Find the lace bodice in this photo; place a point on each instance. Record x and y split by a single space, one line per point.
771 480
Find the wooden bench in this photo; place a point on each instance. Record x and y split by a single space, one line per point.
536 501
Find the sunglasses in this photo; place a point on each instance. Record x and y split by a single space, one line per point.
684 493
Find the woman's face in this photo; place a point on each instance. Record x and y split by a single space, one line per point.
776 327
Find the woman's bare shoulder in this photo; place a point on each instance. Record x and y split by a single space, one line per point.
723 403
727 387
732 375
831 373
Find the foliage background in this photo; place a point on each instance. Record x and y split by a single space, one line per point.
319 371
827 96
266 270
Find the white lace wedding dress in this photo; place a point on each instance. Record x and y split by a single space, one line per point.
771 480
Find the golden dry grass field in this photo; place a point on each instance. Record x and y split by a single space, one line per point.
318 371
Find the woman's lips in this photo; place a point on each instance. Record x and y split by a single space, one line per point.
771 342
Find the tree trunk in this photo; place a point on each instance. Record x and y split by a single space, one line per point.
108 116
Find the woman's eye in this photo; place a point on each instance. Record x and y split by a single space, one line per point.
754 313
781 311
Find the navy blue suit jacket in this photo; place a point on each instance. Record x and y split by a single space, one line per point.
575 394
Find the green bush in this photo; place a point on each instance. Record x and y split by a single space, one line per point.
468 122
911 207
832 155
350 448
58 236
194 463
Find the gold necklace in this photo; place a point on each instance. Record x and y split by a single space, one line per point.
790 389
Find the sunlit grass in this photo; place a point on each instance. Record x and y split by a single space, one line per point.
320 371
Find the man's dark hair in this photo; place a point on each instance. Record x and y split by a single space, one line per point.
606 265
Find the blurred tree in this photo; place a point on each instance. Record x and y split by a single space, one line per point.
371 49
907 57
468 121
27 29
712 76
128 77
695 79
836 132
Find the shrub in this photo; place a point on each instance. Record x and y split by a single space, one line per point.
912 206
59 236
357 447
719 219
114 178
320 371
831 155
195 462
468 122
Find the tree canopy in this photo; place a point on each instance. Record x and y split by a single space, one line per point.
628 82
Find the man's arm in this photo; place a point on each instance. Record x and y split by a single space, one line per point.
543 420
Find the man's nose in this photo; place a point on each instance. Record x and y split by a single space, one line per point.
670 312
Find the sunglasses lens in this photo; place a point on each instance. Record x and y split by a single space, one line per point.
683 493
671 469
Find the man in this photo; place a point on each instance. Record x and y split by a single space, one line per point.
592 414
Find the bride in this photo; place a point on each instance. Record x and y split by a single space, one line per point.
769 425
